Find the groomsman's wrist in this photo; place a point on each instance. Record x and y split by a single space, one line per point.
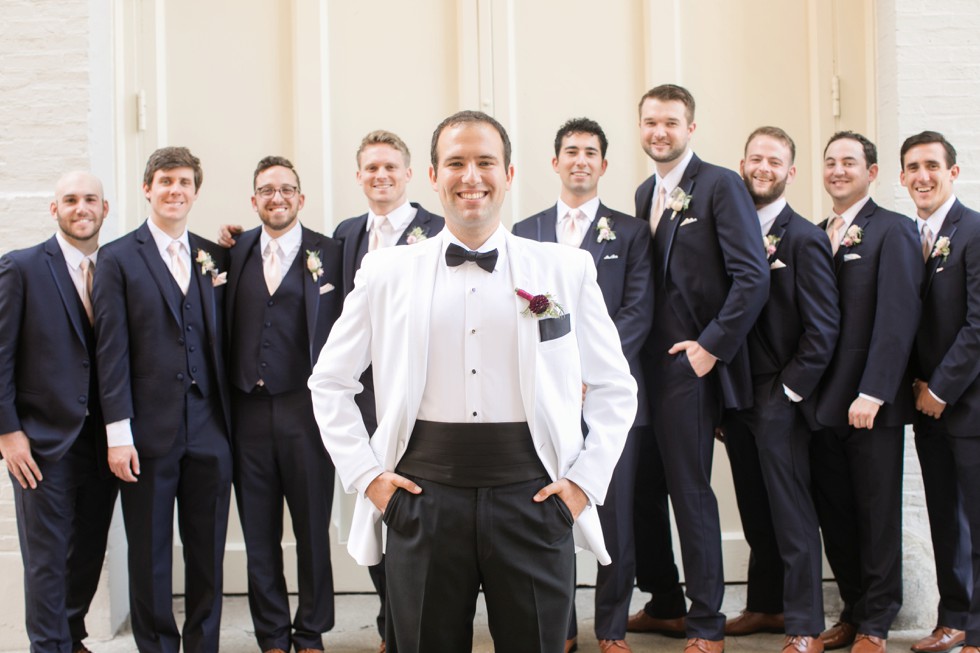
119 434
874 400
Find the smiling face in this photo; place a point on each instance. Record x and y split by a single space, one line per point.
471 179
665 131
847 176
766 169
277 213
171 196
580 165
80 209
928 177
383 176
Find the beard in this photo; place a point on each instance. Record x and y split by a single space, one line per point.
768 197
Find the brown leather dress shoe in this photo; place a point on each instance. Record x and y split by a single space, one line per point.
641 622
802 644
868 644
614 645
571 645
839 635
970 649
699 645
942 640
749 623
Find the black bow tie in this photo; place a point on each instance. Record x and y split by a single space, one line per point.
456 255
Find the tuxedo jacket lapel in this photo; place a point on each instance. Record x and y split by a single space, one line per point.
947 231
778 228
247 242
311 288
66 287
590 242
547 225
420 282
420 221
158 269
524 273
206 286
687 183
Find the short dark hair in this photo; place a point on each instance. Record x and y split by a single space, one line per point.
870 151
773 132
384 137
924 138
670 93
461 117
581 126
273 162
168 158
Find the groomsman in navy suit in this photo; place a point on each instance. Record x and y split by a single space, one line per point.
158 308
283 295
711 281
52 435
946 366
865 397
383 172
769 444
620 247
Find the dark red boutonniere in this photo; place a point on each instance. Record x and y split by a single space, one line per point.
540 305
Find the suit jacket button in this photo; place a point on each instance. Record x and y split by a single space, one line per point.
180 376
85 364
180 341
82 399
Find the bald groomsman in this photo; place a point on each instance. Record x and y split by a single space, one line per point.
52 435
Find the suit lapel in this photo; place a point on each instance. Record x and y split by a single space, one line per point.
247 243
206 286
687 183
158 269
546 225
590 242
420 222
524 273
947 231
311 288
66 287
777 230
861 222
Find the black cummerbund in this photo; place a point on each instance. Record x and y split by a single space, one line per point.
471 455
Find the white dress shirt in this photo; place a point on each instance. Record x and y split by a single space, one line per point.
472 370
398 221
73 257
769 213
589 209
289 244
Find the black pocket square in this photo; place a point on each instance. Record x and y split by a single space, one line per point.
554 327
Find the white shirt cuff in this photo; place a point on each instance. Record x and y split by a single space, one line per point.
119 434
795 398
936 397
873 400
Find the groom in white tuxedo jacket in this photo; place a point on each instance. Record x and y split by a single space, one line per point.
478 467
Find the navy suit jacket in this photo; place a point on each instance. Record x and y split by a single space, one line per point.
879 281
947 347
797 331
322 303
623 267
141 351
353 233
45 355
715 271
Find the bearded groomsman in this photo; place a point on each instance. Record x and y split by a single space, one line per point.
52 436
865 397
946 366
711 281
283 296
768 445
620 247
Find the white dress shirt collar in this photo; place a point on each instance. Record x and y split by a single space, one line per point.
673 178
936 220
851 213
73 256
163 241
289 244
590 209
769 213
398 218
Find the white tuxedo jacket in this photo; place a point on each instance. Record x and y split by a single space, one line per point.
385 322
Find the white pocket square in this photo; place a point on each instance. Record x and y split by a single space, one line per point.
938 270
609 257
777 265
325 288
688 221
851 257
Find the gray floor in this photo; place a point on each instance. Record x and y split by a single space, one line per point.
354 631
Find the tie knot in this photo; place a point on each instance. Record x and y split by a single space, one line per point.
381 222
272 248
86 262
836 222
173 248
926 231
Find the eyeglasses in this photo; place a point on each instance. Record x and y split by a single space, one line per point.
268 192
